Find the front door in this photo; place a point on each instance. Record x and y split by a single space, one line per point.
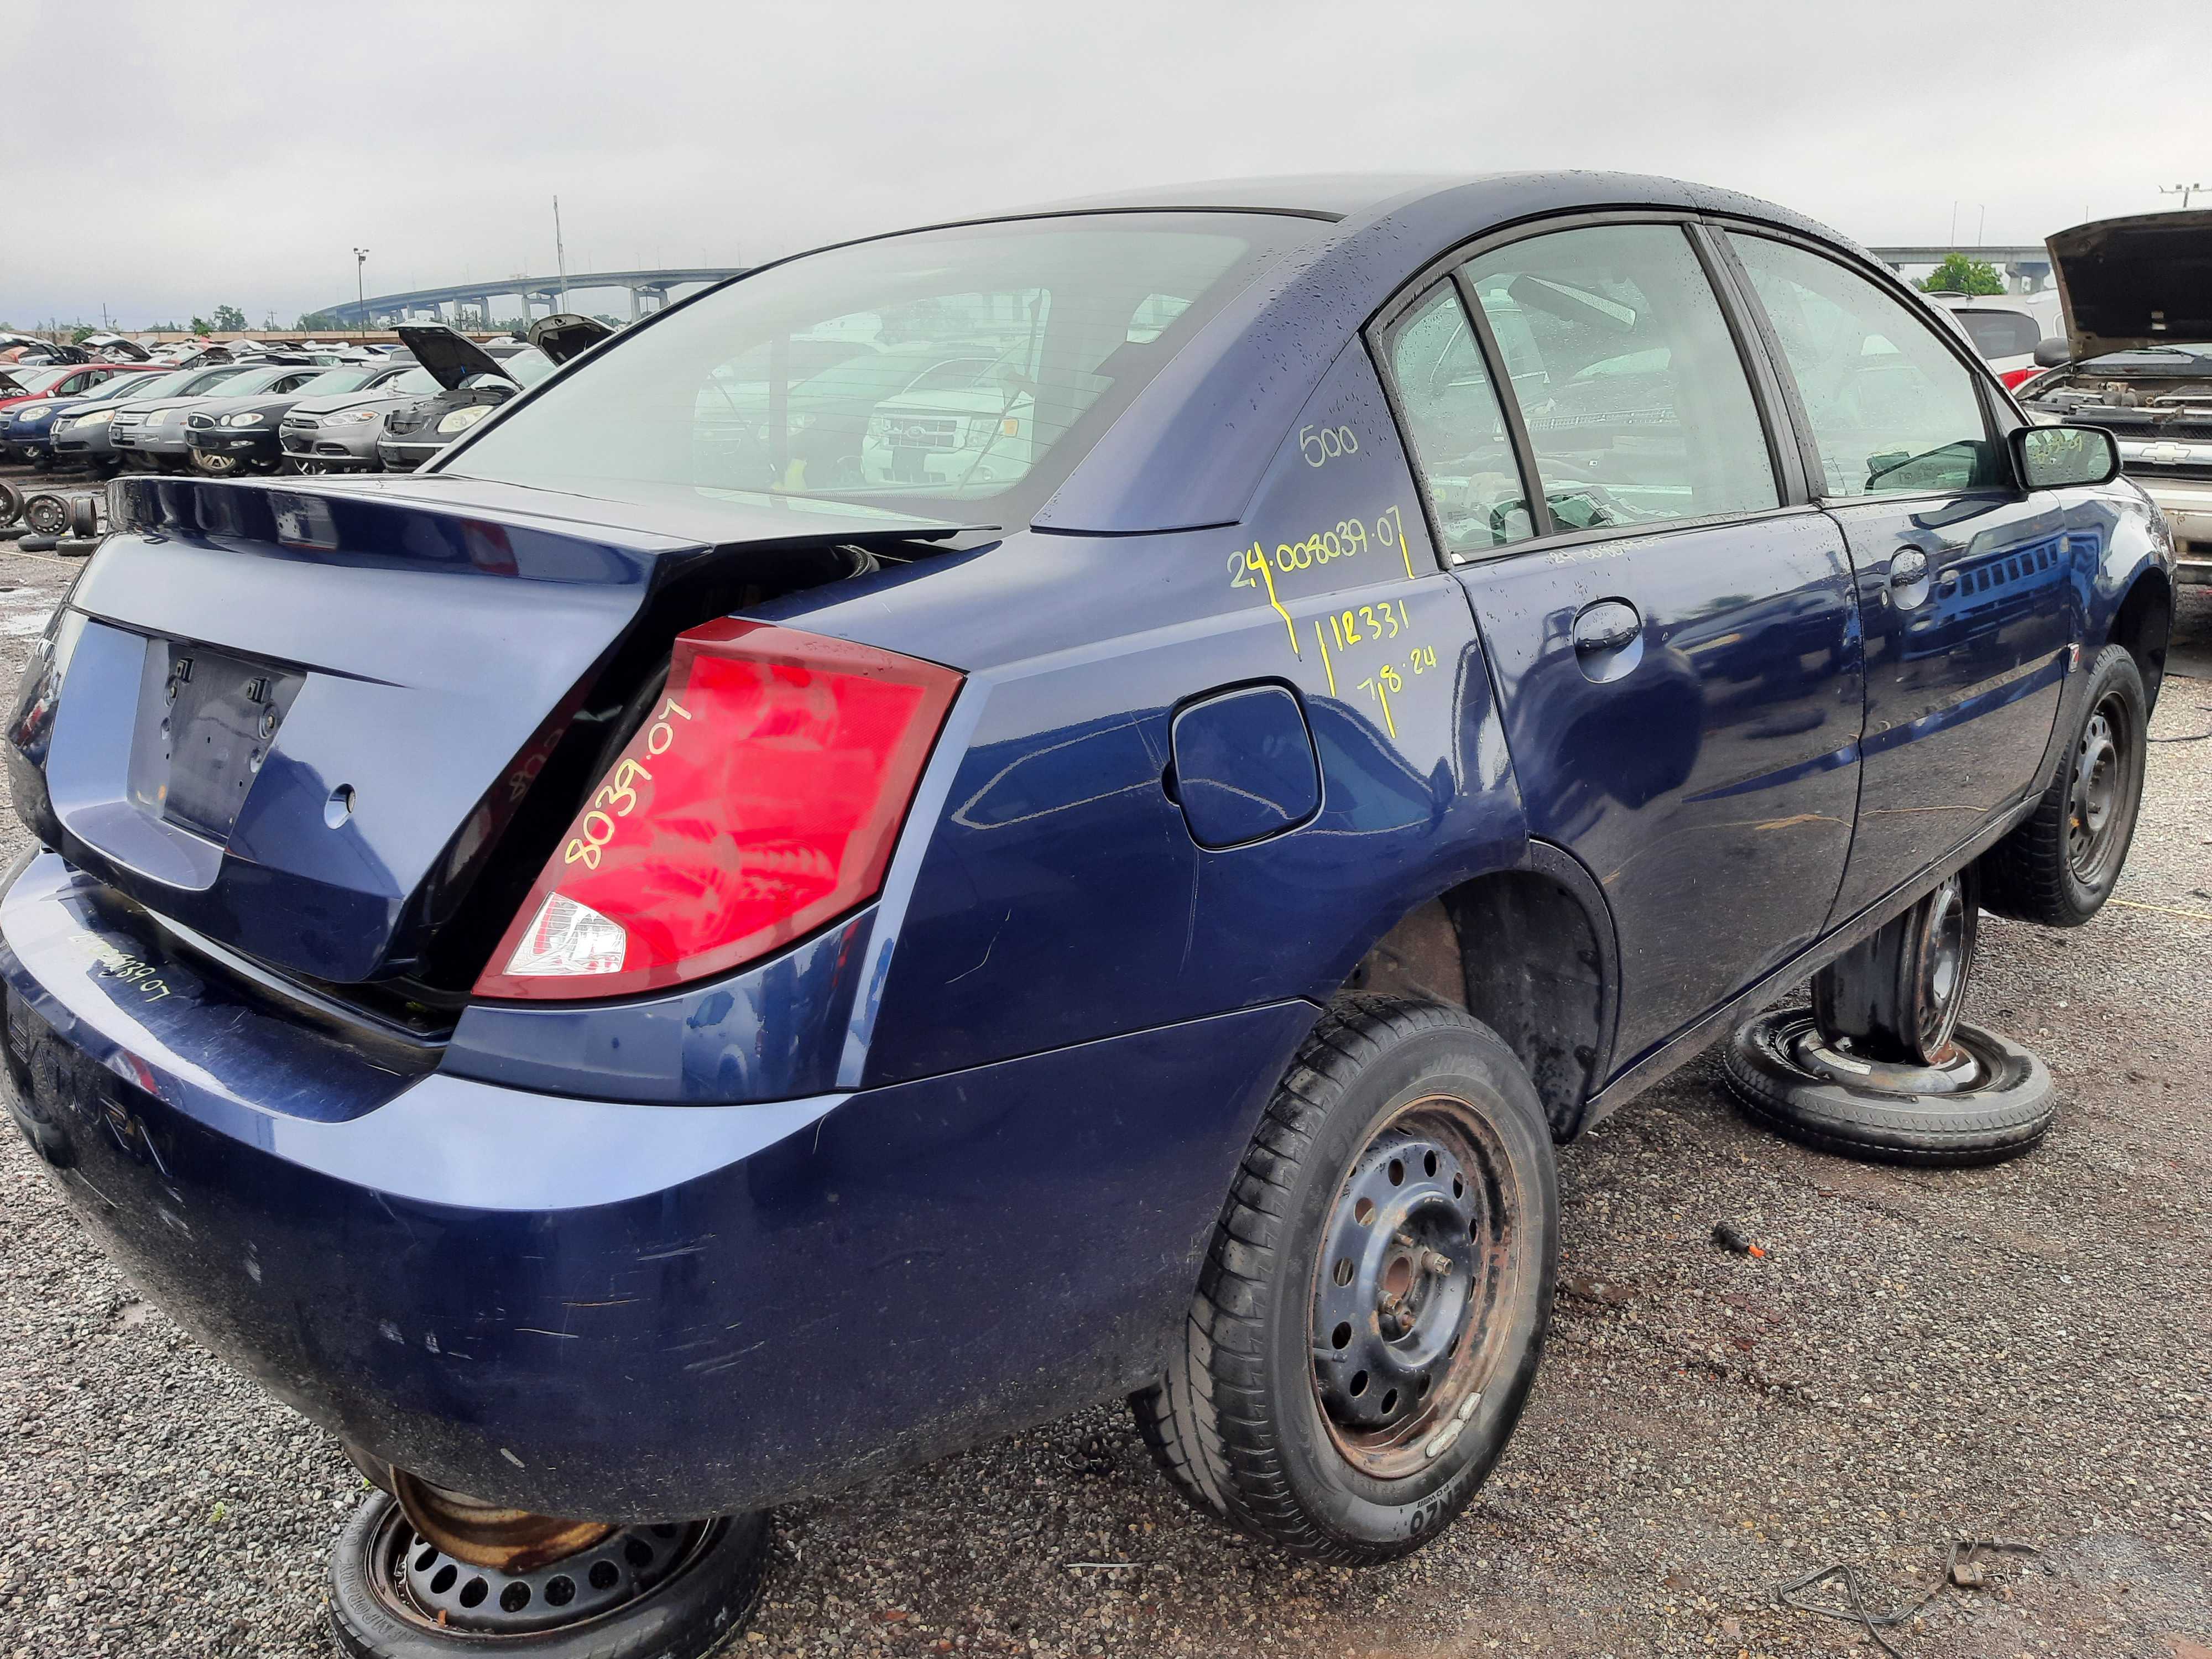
1964 580
1674 645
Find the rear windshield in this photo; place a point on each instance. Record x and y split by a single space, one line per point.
38 380
2000 333
927 372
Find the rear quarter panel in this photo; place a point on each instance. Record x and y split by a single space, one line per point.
1048 889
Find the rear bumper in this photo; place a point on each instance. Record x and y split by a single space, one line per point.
623 1311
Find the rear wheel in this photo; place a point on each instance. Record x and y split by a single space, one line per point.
1374 1305
1896 996
671 1591
2060 866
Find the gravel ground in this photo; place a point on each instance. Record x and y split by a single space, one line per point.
2014 1353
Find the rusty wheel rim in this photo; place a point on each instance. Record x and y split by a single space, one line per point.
430 1589
1416 1267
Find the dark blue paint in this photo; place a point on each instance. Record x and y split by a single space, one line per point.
591 1308
1710 789
769 1032
1244 765
950 1165
1962 676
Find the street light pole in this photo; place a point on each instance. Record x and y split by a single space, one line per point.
2185 191
360 294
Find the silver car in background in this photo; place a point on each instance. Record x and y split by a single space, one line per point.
338 433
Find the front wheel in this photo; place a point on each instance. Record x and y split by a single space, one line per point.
1375 1302
2060 866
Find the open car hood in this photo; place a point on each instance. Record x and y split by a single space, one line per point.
2141 281
450 355
566 334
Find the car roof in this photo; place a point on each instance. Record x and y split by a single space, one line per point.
1315 195
1203 429
1365 196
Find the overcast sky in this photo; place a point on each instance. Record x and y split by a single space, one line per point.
164 158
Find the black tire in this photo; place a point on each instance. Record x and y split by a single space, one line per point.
2002 1116
11 503
2037 873
1238 1423
687 1614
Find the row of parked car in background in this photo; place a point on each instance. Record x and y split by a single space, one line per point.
255 408
885 408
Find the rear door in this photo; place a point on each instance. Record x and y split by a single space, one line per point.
1670 624
1965 580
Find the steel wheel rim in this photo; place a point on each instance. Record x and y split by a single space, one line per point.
2094 807
405 1575
1943 967
1405 1321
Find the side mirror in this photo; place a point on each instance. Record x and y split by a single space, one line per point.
2064 456
2054 353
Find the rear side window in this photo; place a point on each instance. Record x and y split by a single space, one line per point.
2000 333
1632 389
1892 411
1458 431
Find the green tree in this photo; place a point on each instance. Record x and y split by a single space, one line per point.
229 319
1962 273
318 322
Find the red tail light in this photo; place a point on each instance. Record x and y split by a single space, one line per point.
2013 377
760 800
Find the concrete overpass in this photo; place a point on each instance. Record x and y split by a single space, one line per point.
2027 268
648 290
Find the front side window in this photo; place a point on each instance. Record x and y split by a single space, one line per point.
1456 428
925 372
1893 412
1629 381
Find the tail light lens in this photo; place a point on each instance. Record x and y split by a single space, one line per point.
2013 377
760 800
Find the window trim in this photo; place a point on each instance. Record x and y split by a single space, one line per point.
1996 430
1770 392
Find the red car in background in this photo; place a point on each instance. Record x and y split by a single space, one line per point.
22 385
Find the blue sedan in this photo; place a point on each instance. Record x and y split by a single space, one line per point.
709 945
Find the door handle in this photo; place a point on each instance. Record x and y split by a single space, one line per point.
1909 565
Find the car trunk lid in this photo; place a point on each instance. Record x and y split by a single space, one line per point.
302 723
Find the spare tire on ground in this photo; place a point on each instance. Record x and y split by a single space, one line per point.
1988 1099
47 514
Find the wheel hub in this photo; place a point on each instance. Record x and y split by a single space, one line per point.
2096 789
1404 1261
1954 1073
490 1534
